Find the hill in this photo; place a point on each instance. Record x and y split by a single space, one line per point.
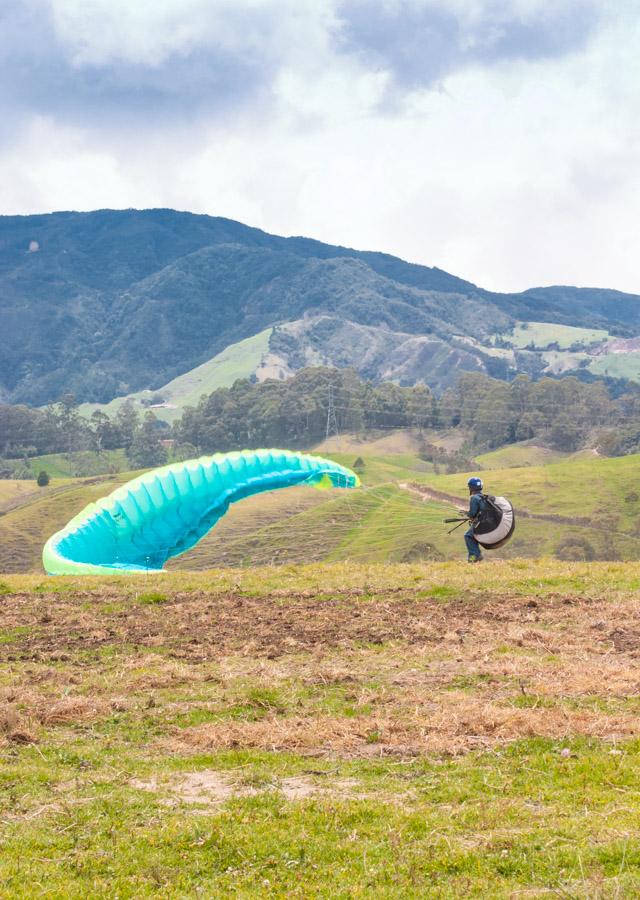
322 731
396 516
108 303
27 522
239 360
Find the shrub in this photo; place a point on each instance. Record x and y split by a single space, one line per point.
575 550
421 550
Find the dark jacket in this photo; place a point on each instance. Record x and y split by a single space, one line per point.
476 505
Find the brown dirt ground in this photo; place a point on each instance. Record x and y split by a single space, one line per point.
210 787
420 675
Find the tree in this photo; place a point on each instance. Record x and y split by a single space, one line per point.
43 479
564 434
183 452
420 407
105 435
146 451
69 423
127 421
495 420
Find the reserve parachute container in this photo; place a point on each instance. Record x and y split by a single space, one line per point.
495 524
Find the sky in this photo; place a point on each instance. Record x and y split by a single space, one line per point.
496 139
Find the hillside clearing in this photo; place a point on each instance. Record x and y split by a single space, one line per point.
541 334
617 365
238 360
322 731
513 456
80 464
14 493
558 488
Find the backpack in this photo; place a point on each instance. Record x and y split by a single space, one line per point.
495 523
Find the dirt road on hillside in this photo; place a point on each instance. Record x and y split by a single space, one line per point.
429 493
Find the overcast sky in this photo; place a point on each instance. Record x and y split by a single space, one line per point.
497 139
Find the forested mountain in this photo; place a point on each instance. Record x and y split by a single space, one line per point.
109 302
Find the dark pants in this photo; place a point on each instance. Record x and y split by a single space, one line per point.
473 547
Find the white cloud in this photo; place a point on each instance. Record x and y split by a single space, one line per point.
511 174
149 32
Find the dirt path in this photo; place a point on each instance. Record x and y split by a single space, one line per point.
428 493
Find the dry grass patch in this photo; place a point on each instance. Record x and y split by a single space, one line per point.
21 718
14 727
437 727
360 670
72 710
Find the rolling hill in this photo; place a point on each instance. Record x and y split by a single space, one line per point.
239 360
109 303
396 517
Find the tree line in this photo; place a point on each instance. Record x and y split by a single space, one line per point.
60 428
565 413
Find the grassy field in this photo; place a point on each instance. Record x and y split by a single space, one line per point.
17 492
326 731
541 334
239 360
600 489
388 520
397 442
517 455
81 464
617 365
560 361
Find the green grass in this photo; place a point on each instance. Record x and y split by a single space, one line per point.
493 825
152 597
544 333
80 464
518 455
392 467
560 361
559 488
617 365
16 492
109 787
239 360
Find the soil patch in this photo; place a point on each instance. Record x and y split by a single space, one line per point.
354 672
210 787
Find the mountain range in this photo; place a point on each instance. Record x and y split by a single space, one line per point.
106 303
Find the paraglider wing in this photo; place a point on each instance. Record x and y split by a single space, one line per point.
166 511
